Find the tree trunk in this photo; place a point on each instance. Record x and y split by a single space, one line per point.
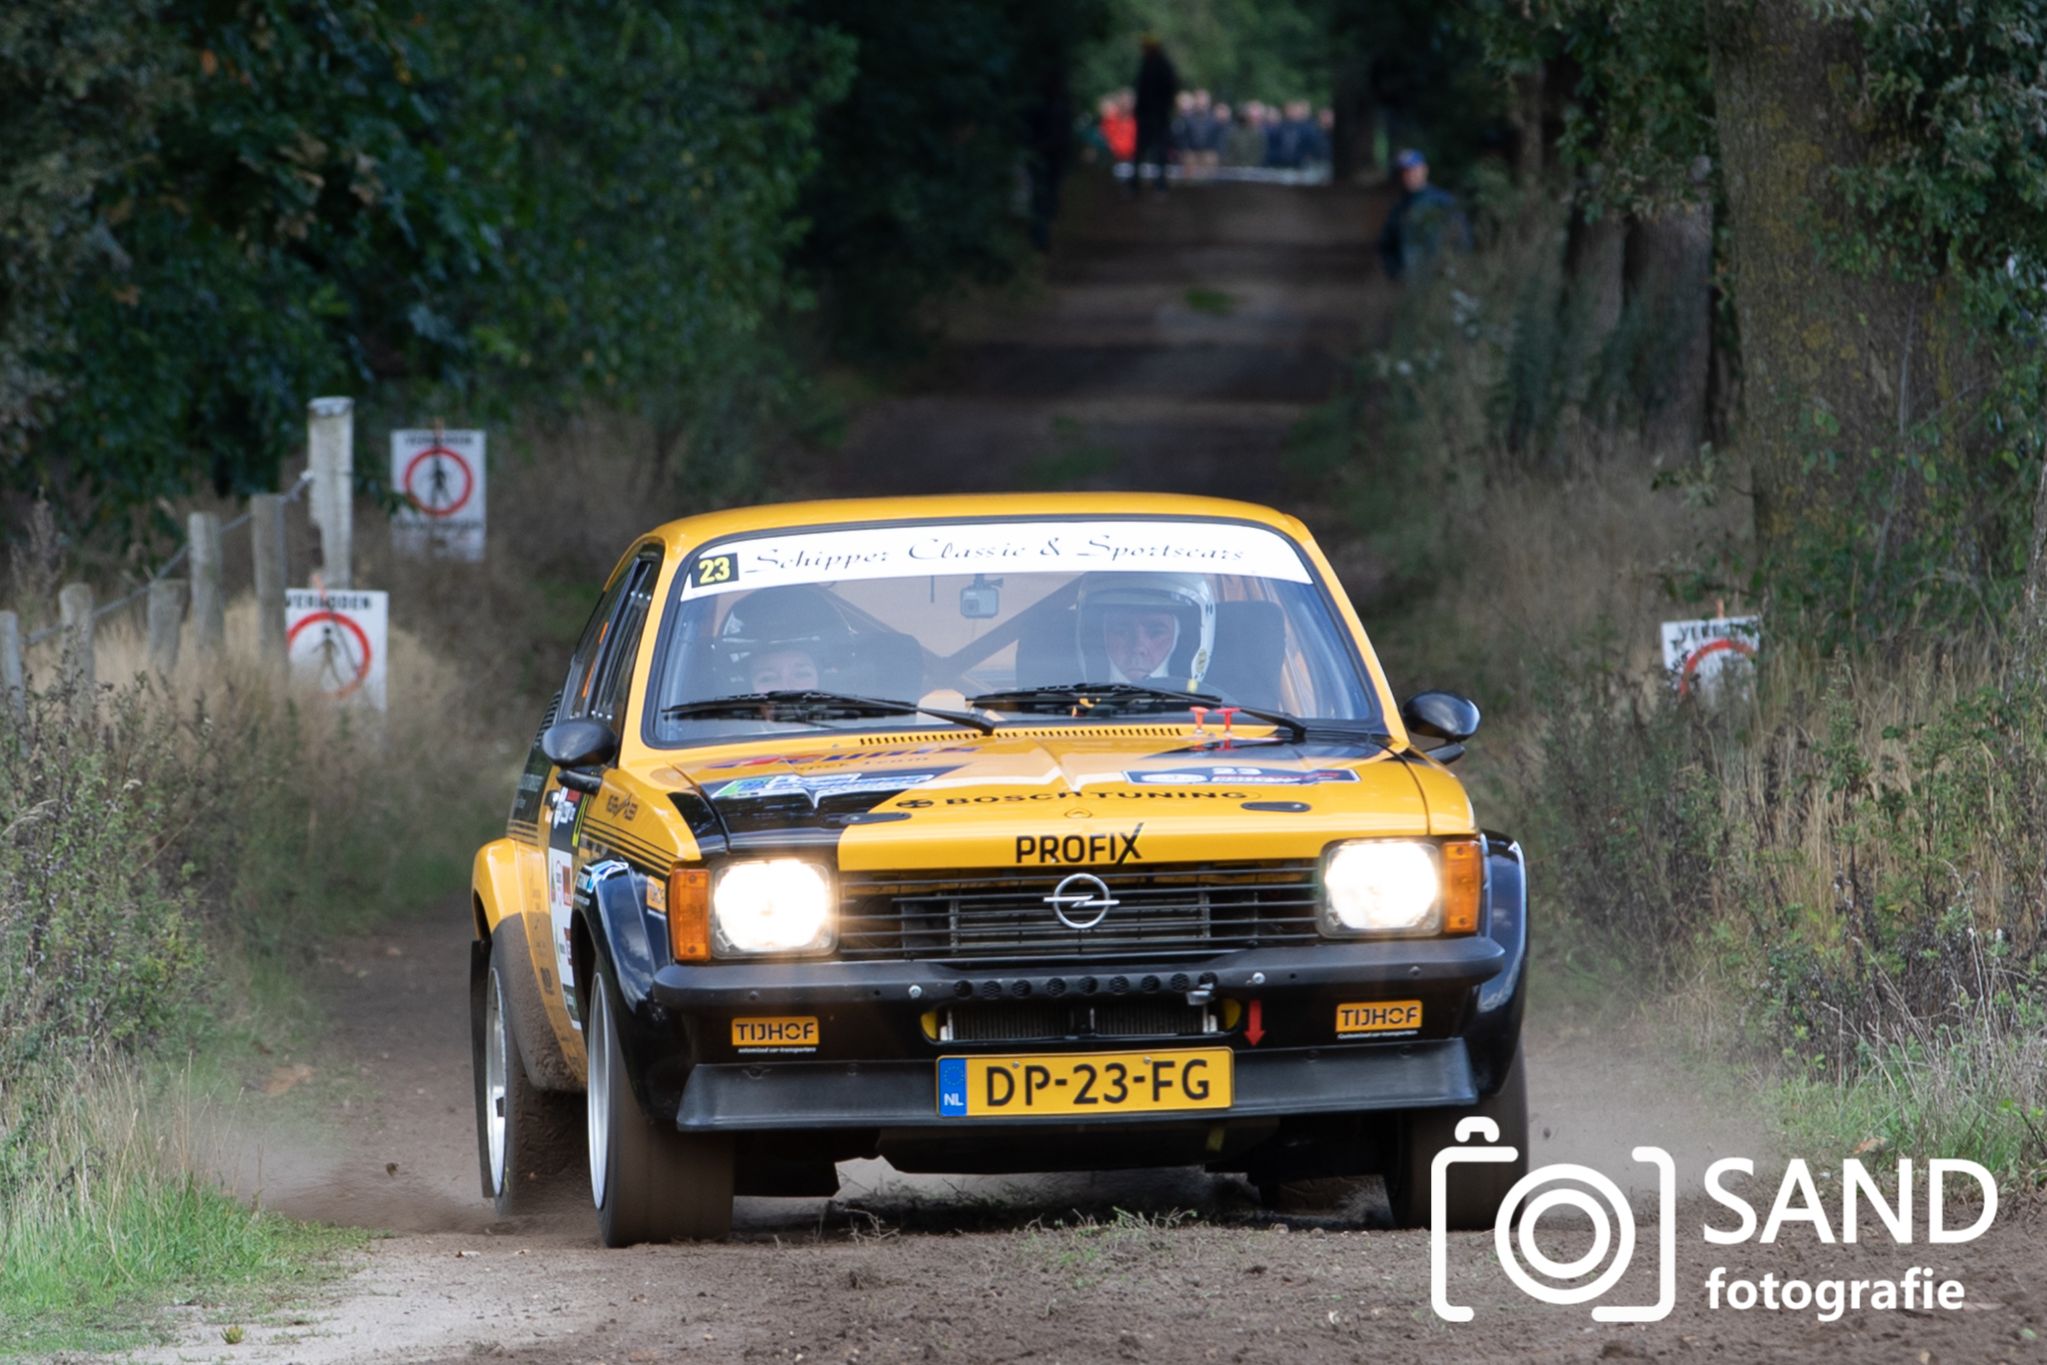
1836 367
1530 139
1594 253
1669 275
2032 641
1350 142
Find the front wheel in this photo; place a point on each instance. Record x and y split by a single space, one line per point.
526 1138
649 1183
1476 1189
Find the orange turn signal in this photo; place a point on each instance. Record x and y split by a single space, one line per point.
1463 885
689 913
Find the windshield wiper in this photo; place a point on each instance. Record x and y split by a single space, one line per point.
772 705
1111 697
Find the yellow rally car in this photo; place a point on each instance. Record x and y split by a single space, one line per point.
988 834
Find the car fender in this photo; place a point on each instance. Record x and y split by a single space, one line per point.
615 929
497 895
1495 1033
494 885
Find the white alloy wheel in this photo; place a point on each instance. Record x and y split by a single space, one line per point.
597 1047
497 1042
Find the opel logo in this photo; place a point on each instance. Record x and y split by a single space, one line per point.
1081 900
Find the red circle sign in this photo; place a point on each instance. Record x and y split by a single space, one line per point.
1690 668
362 640
461 500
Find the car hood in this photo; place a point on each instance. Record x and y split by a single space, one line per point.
1117 795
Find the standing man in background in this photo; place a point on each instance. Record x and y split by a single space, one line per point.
1158 85
1424 221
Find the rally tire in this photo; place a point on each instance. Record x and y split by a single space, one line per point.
649 1182
1476 1188
528 1158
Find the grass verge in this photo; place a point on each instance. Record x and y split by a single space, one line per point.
120 1225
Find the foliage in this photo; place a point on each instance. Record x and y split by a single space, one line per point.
271 222
1638 112
98 913
166 857
1953 193
1956 95
81 83
916 185
1833 876
1240 49
644 163
235 207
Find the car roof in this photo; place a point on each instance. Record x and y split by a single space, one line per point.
690 531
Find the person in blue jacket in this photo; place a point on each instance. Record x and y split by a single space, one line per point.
1424 221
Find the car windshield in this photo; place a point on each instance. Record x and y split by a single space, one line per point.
1016 614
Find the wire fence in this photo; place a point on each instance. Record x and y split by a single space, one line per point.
165 569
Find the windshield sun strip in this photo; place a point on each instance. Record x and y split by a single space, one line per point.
1347 643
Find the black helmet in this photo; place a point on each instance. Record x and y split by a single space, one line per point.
797 617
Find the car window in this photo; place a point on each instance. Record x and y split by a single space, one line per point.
581 695
939 612
614 670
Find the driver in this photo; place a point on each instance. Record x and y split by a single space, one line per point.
784 639
1155 629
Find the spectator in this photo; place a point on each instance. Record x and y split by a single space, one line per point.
1157 86
1204 133
1295 140
1244 143
1422 223
1183 124
1118 128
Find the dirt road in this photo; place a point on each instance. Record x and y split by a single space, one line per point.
1173 345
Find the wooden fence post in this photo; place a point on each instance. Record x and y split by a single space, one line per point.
166 619
11 681
74 611
330 456
266 544
209 609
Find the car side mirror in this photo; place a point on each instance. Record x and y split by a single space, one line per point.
576 745
1442 715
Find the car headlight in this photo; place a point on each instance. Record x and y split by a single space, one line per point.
1381 886
772 905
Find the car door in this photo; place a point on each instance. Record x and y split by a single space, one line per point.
599 673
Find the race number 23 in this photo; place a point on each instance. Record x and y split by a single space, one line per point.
716 569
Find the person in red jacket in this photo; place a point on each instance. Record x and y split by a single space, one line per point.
1119 125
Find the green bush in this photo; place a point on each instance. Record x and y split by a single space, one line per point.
99 908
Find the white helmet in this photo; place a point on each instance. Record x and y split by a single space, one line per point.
1185 595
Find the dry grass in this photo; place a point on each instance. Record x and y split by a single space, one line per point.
1832 877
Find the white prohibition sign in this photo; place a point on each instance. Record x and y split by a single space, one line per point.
441 475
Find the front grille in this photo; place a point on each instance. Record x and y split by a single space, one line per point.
1040 1022
1162 912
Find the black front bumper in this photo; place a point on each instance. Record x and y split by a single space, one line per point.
1292 1065
1279 1083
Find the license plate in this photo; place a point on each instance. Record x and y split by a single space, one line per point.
1378 1016
1084 1083
782 1033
